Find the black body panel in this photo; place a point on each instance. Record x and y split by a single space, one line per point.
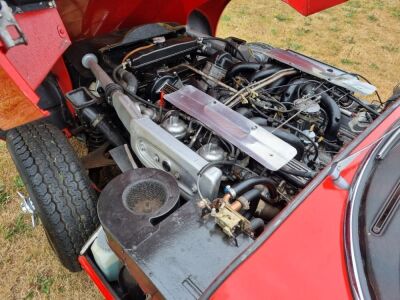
178 257
380 226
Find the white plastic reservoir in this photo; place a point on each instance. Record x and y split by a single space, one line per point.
105 258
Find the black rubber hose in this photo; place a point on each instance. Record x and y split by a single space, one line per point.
268 212
260 121
289 138
284 135
269 70
257 226
218 163
230 46
245 111
248 184
291 92
102 124
242 68
278 86
130 80
252 197
327 103
333 112
265 72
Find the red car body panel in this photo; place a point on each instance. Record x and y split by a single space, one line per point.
47 35
308 7
89 18
28 65
305 257
95 278
47 40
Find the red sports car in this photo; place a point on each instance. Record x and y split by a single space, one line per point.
215 168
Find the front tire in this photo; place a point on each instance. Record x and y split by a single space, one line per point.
58 186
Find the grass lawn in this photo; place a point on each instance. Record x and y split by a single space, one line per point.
359 36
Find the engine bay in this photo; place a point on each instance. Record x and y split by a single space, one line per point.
222 135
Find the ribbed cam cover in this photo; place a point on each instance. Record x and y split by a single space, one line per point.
258 143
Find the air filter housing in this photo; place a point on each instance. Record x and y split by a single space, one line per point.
140 197
169 249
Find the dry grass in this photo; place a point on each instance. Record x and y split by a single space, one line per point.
28 267
360 36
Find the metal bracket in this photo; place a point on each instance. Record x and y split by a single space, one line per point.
123 158
7 21
338 167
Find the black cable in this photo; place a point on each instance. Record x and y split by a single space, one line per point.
376 92
371 110
115 73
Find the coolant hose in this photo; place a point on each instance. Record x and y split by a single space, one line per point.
265 72
130 81
257 226
289 138
327 103
248 184
268 212
241 68
248 201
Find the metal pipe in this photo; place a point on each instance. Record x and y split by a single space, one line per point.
90 61
252 88
126 109
220 83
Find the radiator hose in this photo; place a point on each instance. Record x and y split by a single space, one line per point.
248 184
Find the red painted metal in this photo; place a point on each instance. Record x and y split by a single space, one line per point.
60 71
47 34
47 40
95 278
304 258
308 7
88 18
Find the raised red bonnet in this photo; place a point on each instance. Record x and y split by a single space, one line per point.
88 18
308 7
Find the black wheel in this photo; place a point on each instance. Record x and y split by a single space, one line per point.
58 186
